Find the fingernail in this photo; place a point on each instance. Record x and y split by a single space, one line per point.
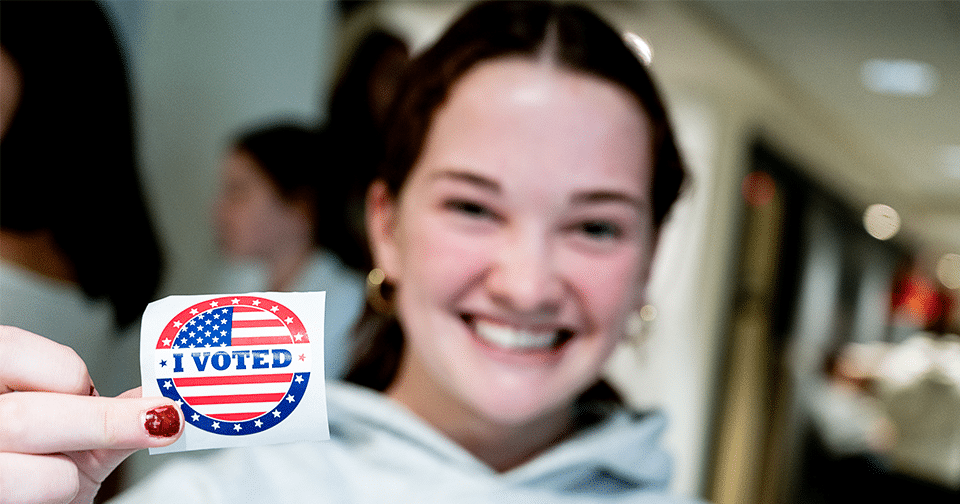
163 421
93 391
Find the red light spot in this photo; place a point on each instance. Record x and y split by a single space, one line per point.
758 188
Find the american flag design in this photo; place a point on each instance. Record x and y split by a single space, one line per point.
236 365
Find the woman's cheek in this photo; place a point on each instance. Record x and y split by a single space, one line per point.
445 256
609 285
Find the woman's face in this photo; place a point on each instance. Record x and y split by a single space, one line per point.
520 241
253 219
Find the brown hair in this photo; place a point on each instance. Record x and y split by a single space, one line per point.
572 35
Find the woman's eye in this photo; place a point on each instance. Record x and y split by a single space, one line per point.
470 208
601 230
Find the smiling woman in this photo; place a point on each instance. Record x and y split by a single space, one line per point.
523 273
529 168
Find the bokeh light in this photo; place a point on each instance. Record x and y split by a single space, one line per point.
640 46
881 221
758 188
948 271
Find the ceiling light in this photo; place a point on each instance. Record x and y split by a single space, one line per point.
881 221
900 77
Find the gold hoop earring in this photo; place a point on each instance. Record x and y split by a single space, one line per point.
376 282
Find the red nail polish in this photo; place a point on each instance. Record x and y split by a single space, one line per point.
163 421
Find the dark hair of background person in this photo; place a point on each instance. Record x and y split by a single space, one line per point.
68 158
578 40
293 156
355 124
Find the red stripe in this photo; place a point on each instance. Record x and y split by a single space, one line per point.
233 380
243 324
236 417
231 399
260 340
246 309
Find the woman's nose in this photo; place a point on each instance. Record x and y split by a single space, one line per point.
525 277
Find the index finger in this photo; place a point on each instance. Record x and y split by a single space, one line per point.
29 362
38 422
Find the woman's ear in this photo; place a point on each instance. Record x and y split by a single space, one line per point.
381 208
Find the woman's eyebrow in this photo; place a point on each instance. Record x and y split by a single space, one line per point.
605 196
467 177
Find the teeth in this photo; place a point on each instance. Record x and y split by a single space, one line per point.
506 337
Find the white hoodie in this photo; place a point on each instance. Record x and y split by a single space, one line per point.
379 452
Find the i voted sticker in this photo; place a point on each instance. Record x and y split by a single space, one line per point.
245 369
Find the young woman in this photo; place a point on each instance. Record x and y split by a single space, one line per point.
529 169
273 215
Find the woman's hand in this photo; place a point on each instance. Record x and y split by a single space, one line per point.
58 439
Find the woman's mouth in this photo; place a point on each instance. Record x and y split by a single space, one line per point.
513 338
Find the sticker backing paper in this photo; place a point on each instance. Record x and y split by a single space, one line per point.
246 369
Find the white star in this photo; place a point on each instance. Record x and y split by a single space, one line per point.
216 425
216 327
298 379
275 309
276 414
179 402
201 316
258 423
235 300
195 417
223 344
237 427
214 304
192 345
167 384
298 336
177 324
216 315
208 322
256 302
166 341
216 339
290 398
193 322
193 333
193 311
289 320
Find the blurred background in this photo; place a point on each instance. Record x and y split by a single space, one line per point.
804 308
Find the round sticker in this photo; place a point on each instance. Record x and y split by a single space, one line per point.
235 365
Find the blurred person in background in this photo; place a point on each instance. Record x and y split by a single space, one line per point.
277 212
79 258
916 383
